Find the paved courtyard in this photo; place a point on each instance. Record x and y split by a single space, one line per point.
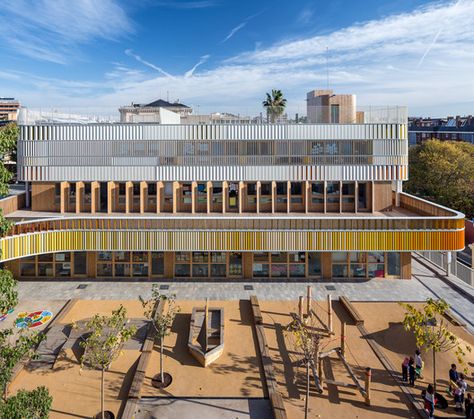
424 284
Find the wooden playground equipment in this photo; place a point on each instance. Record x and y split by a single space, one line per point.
206 334
306 321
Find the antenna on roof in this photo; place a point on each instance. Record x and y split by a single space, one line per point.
327 68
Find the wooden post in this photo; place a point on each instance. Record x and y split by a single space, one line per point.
128 197
259 193
143 197
193 197
274 186
308 300
343 338
288 197
176 197
111 196
95 197
320 368
209 197
329 313
64 206
300 307
160 193
225 196
80 187
368 377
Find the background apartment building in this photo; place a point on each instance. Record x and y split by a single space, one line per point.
8 109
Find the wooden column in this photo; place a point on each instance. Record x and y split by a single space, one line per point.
325 196
169 265
326 268
247 264
259 193
225 196
176 196
143 197
64 204
288 197
307 196
193 197
372 198
274 186
340 197
91 264
112 196
128 197
95 197
159 196
79 196
405 265
356 197
242 206
209 197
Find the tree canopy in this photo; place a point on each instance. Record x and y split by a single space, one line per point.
443 172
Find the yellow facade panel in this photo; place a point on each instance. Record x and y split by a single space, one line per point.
54 241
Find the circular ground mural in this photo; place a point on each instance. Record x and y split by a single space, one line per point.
27 320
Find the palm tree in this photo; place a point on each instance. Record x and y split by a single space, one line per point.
275 104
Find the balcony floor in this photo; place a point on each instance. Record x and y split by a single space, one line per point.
34 215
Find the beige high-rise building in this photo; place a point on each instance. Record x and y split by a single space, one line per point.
8 108
325 107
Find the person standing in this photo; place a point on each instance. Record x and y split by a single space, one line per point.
430 401
459 392
418 364
411 371
405 369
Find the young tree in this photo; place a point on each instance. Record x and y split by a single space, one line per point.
161 321
431 331
102 346
306 342
34 404
275 104
8 292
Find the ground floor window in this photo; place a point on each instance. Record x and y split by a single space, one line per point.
285 264
272 265
207 264
365 265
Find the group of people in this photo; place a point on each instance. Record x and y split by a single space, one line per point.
458 387
412 369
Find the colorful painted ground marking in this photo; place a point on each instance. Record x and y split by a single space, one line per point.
34 319
4 315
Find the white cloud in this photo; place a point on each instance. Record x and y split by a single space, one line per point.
377 60
202 60
130 53
233 31
50 30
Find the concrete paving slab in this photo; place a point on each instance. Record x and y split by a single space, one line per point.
209 408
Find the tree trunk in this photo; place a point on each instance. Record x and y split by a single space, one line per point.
434 370
102 393
162 375
307 391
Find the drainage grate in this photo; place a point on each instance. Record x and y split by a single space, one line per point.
81 286
330 287
164 287
248 287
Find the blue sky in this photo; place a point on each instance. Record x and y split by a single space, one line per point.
223 55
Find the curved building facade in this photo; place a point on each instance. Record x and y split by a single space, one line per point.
221 201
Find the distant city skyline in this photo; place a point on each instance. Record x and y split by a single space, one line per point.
217 55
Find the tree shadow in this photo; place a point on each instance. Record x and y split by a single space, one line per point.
394 338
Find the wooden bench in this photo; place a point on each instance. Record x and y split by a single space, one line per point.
276 399
353 313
